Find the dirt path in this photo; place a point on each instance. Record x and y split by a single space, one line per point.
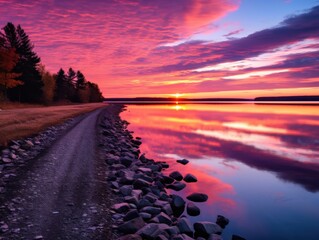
63 195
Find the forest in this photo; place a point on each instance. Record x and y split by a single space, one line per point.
24 78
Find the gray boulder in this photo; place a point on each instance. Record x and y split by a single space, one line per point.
204 229
152 231
185 226
132 226
121 207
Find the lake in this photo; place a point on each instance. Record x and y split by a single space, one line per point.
259 164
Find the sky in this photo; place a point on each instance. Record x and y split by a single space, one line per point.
198 48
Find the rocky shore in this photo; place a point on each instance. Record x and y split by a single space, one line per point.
140 203
144 209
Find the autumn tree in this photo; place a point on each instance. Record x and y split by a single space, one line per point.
27 65
8 60
48 85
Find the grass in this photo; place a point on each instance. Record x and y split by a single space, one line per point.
19 121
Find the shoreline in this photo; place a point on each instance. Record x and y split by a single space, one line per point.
136 185
144 209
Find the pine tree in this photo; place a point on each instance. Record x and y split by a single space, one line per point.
31 90
81 81
60 86
70 85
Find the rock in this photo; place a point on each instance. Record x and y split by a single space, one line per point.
118 166
236 237
163 218
29 143
192 209
177 186
121 207
204 229
131 215
5 152
126 190
222 221
131 237
163 196
186 237
126 162
143 203
190 178
152 231
6 160
151 197
115 185
160 203
177 205
197 197
162 237
215 237
3 227
167 209
173 230
167 180
176 175
183 161
145 216
151 210
132 226
145 170
140 183
131 199
185 226
164 165
137 193
38 237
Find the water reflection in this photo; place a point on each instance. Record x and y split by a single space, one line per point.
239 146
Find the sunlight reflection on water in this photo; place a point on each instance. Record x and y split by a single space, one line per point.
259 164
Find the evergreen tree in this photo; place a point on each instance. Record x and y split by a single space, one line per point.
60 86
27 66
70 85
81 81
95 93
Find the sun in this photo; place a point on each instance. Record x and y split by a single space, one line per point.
177 95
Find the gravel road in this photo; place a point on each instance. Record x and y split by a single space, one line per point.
63 194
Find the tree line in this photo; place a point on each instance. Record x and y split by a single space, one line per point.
24 78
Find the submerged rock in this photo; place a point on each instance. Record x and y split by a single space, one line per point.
176 175
222 221
192 209
177 186
190 178
183 161
197 197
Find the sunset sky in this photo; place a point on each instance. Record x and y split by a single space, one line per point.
199 48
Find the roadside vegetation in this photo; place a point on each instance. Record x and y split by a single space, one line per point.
24 78
22 122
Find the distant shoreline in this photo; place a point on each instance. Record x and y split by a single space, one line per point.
296 100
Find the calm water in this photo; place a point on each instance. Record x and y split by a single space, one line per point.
259 164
